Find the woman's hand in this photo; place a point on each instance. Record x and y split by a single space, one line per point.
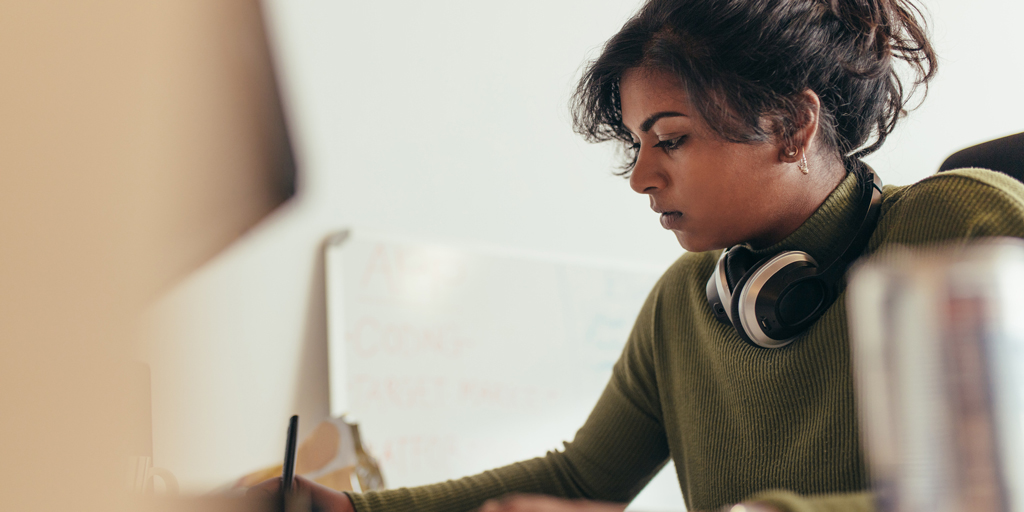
322 498
536 503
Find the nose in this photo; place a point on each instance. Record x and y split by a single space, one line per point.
646 177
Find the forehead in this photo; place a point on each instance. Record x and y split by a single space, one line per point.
644 92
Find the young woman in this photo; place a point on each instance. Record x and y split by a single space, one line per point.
743 121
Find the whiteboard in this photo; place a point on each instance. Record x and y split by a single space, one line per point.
454 360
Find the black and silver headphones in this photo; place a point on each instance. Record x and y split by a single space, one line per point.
771 301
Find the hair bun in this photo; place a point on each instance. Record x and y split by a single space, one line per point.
883 30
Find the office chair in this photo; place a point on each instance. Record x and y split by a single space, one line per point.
1005 155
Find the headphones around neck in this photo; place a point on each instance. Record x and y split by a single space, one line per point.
771 301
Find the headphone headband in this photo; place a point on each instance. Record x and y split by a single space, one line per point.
871 194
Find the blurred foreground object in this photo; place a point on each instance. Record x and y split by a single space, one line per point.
333 456
938 346
212 504
141 474
297 502
137 139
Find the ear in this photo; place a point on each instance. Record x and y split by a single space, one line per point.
798 143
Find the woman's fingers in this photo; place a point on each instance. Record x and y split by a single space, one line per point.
323 498
265 489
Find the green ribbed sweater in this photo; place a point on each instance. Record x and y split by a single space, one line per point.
739 422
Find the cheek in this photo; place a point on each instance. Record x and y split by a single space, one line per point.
724 203
714 184
738 177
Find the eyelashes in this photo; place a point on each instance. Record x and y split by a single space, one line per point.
668 144
671 144
633 151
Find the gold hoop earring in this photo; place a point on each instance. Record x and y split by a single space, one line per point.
803 164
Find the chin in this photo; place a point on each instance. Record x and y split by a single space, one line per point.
692 243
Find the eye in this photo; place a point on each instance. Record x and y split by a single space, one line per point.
670 144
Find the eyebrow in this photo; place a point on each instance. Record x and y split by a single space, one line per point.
649 122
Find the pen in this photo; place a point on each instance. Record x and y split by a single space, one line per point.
288 471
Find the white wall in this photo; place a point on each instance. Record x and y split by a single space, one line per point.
448 121
975 97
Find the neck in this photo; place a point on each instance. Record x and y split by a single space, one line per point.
805 195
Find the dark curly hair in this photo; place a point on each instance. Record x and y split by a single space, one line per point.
745 61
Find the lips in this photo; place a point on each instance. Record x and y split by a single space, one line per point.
671 220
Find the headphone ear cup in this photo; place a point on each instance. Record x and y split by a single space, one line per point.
787 280
801 302
718 292
734 309
738 261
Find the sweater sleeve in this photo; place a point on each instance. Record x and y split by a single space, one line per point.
618 450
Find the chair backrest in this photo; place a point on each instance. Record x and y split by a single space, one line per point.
1005 155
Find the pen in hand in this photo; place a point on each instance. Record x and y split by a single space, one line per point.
288 469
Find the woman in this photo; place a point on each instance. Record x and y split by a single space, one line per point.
743 121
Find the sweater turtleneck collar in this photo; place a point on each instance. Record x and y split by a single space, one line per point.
829 229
